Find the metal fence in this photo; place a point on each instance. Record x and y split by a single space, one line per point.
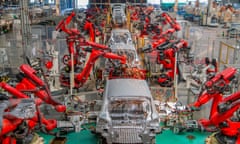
11 44
211 42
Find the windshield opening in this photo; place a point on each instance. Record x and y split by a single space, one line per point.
129 107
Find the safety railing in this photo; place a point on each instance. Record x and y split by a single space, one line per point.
228 54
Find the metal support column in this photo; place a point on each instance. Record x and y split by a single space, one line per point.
25 27
57 7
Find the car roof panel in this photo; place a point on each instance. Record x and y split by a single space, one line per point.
127 87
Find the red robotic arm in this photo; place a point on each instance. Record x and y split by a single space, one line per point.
135 15
223 108
221 79
62 26
82 77
225 76
19 109
166 50
214 88
162 39
28 85
221 118
72 33
16 111
171 21
161 36
12 90
30 82
96 50
226 108
96 45
89 26
166 57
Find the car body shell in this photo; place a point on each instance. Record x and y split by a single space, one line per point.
118 14
121 43
128 113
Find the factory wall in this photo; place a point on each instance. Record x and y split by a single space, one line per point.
64 4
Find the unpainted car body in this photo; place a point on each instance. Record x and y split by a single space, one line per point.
128 113
118 14
121 43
